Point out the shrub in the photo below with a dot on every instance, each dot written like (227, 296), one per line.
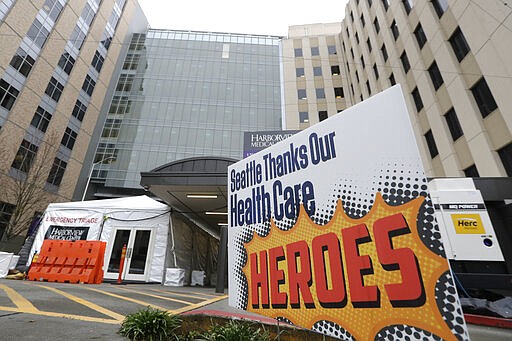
(150, 324)
(233, 331)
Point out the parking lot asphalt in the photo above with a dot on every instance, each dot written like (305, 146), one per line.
(54, 311)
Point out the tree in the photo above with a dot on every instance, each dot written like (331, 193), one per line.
(24, 183)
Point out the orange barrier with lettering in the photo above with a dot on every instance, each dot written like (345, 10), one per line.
(69, 262)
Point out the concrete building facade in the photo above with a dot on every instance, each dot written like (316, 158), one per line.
(56, 61)
(313, 74)
(452, 60)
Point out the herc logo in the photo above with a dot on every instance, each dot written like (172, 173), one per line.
(468, 224)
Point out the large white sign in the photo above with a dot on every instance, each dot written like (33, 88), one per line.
(333, 230)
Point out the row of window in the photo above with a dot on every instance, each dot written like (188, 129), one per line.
(320, 93)
(26, 156)
(304, 116)
(315, 51)
(317, 70)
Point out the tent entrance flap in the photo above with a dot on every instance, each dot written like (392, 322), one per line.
(139, 244)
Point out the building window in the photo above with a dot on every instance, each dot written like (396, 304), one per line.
(298, 52)
(111, 128)
(53, 8)
(440, 6)
(369, 44)
(317, 71)
(362, 20)
(125, 83)
(357, 38)
(394, 30)
(88, 85)
(69, 138)
(376, 25)
(105, 150)
(417, 99)
(315, 51)
(66, 62)
(385, 3)
(131, 61)
(331, 49)
(405, 62)
(375, 71)
(25, 156)
(299, 72)
(370, 3)
(303, 117)
(54, 89)
(57, 172)
(301, 93)
(362, 62)
(421, 38)
(106, 40)
(483, 97)
(431, 144)
(338, 92)
(357, 76)
(392, 80)
(459, 44)
(77, 38)
(120, 105)
(471, 172)
(505, 155)
(41, 119)
(22, 62)
(435, 75)
(384, 52)
(453, 124)
(8, 94)
(88, 14)
(320, 93)
(352, 53)
(368, 87)
(97, 61)
(352, 16)
(408, 6)
(6, 211)
(79, 110)
(113, 20)
(322, 115)
(335, 70)
(38, 33)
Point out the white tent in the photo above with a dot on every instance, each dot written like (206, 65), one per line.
(139, 222)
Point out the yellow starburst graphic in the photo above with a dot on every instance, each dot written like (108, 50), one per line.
(363, 274)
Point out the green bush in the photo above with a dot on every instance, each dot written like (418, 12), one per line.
(150, 324)
(231, 331)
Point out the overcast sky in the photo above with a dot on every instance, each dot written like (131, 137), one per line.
(270, 17)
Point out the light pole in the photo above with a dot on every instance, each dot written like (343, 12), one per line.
(90, 173)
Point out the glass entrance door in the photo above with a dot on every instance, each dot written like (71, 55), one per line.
(138, 243)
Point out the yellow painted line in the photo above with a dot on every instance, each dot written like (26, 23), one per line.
(190, 294)
(126, 298)
(157, 296)
(199, 305)
(69, 316)
(20, 301)
(86, 303)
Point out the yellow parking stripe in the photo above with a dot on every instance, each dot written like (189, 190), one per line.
(69, 316)
(199, 296)
(126, 298)
(21, 302)
(157, 296)
(199, 305)
(86, 303)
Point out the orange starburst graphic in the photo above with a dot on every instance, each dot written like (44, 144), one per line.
(362, 274)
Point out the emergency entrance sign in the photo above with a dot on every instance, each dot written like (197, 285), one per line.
(333, 230)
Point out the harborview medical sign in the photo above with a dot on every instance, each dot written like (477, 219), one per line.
(332, 229)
